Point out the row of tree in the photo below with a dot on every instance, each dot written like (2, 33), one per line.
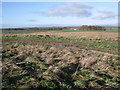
(85, 27)
(48, 28)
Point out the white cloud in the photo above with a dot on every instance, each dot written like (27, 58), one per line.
(104, 14)
(80, 14)
(32, 20)
(70, 9)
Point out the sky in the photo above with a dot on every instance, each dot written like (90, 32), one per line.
(35, 14)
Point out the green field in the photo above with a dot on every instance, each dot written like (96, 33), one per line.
(30, 66)
(49, 62)
(81, 43)
(25, 31)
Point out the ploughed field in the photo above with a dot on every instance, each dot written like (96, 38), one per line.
(61, 60)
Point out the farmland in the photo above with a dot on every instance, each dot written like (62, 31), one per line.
(61, 60)
(33, 31)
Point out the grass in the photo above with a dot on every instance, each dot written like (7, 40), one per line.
(101, 44)
(24, 69)
(20, 31)
(25, 31)
(115, 31)
(26, 65)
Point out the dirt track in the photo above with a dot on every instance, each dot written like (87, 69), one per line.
(71, 46)
(73, 35)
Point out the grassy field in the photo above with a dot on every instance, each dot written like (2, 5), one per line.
(101, 45)
(25, 31)
(60, 60)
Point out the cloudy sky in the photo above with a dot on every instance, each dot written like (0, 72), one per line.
(32, 14)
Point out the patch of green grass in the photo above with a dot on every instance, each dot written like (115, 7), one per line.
(20, 31)
(29, 31)
(4, 38)
(115, 31)
(47, 84)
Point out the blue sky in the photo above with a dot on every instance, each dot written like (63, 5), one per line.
(32, 14)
